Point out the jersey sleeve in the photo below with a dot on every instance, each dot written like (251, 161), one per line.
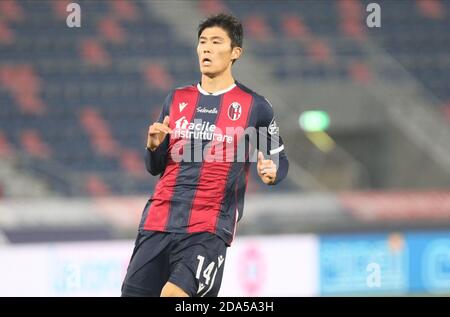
(156, 161)
(269, 139)
(165, 111)
(270, 142)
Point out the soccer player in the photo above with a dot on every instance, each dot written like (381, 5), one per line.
(190, 219)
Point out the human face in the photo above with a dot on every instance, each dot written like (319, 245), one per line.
(214, 51)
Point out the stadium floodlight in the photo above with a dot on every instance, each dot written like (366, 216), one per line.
(314, 121)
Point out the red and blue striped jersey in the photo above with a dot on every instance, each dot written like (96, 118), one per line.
(197, 193)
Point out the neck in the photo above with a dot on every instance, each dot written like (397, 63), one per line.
(220, 82)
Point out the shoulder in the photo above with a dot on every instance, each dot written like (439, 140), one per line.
(261, 103)
(185, 89)
(179, 90)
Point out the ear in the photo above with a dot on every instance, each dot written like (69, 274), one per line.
(236, 53)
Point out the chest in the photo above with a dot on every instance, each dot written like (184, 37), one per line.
(210, 114)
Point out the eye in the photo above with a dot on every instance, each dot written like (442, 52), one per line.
(216, 42)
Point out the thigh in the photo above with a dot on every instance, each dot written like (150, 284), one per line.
(148, 270)
(197, 262)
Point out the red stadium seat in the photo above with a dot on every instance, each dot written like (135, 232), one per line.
(257, 28)
(432, 9)
(446, 109)
(294, 27)
(93, 53)
(158, 77)
(360, 73)
(353, 29)
(131, 162)
(30, 104)
(111, 30)
(95, 186)
(124, 10)
(10, 10)
(59, 8)
(352, 22)
(209, 7)
(6, 34)
(24, 85)
(5, 147)
(34, 145)
(99, 132)
(319, 51)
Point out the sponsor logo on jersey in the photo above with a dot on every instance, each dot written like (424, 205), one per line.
(206, 110)
(199, 129)
(182, 105)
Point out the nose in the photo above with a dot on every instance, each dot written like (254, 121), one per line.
(206, 48)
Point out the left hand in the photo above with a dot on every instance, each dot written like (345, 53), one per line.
(267, 169)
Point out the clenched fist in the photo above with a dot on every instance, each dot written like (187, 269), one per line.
(157, 133)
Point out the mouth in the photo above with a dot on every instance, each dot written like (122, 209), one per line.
(206, 61)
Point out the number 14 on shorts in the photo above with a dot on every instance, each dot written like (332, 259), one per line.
(209, 273)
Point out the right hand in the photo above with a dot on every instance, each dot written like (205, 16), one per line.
(157, 132)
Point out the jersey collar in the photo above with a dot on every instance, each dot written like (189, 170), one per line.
(217, 93)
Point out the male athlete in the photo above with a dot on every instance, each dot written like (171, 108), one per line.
(190, 219)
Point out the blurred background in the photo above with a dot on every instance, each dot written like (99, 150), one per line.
(364, 113)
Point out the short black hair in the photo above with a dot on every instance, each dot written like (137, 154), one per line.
(229, 23)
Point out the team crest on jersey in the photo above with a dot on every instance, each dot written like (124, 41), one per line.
(234, 111)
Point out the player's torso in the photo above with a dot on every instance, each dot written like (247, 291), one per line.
(203, 148)
(203, 190)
